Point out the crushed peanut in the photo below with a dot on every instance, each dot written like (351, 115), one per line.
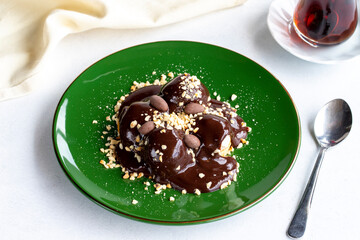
(133, 124)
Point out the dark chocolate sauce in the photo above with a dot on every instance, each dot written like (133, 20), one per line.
(204, 168)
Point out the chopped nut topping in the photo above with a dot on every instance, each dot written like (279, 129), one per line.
(171, 74)
(133, 124)
(224, 185)
(126, 176)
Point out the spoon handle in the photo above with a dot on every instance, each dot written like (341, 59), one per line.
(298, 223)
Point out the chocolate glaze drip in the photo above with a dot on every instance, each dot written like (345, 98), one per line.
(205, 169)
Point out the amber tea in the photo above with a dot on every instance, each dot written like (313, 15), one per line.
(325, 22)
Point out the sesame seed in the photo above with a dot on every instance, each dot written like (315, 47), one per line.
(171, 199)
(201, 175)
(94, 122)
(134, 202)
(163, 147)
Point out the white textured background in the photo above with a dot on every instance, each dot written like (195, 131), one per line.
(37, 201)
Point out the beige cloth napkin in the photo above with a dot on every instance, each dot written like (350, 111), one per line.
(30, 29)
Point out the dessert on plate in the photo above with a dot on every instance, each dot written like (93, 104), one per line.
(175, 134)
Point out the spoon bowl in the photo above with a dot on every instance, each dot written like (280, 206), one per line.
(332, 125)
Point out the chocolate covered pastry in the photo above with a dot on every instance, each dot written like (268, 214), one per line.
(178, 136)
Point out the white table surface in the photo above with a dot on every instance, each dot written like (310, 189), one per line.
(37, 201)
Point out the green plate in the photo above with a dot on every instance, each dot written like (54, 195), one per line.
(264, 104)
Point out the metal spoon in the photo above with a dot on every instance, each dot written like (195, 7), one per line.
(332, 125)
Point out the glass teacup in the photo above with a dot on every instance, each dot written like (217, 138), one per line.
(325, 22)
